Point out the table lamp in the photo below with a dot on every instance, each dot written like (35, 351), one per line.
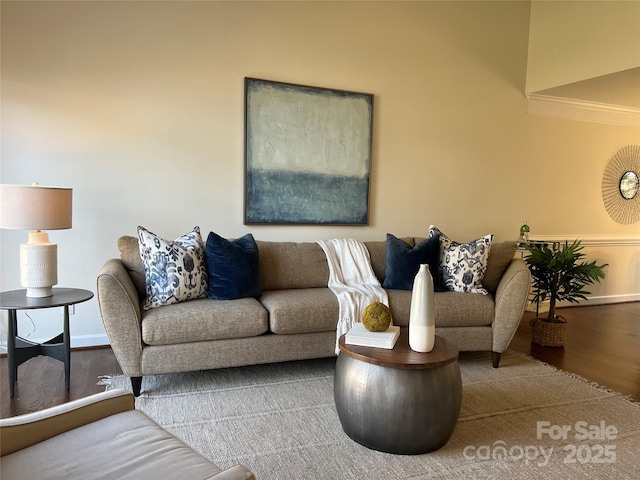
(36, 208)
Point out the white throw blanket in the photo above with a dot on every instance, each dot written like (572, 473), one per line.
(352, 280)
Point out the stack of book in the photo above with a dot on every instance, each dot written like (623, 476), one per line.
(359, 335)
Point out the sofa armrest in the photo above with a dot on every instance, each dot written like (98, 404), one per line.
(237, 472)
(25, 430)
(120, 309)
(511, 299)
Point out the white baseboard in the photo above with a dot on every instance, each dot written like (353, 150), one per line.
(77, 341)
(80, 341)
(605, 299)
(593, 300)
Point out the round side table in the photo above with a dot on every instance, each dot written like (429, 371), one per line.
(19, 350)
(398, 401)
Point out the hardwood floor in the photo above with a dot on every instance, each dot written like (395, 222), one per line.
(41, 380)
(603, 345)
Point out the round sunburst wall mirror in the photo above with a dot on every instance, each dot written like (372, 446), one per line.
(621, 185)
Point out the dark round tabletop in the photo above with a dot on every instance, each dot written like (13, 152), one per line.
(18, 300)
(401, 356)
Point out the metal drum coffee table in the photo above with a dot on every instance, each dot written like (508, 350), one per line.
(398, 401)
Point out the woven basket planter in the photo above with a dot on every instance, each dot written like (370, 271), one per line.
(549, 334)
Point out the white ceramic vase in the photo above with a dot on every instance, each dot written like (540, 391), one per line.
(422, 318)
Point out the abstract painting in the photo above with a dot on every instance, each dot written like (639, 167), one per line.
(307, 154)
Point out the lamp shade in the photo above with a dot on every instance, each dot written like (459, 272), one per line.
(35, 207)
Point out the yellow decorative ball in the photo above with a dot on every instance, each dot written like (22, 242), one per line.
(376, 317)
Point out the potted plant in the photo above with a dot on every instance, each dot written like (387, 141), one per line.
(558, 274)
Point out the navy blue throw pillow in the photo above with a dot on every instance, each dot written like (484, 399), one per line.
(403, 262)
(234, 267)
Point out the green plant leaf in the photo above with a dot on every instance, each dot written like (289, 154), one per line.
(560, 274)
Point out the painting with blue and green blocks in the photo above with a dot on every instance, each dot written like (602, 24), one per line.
(308, 154)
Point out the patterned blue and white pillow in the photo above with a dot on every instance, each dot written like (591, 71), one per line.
(174, 271)
(463, 265)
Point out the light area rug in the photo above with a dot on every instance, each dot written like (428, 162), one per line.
(522, 420)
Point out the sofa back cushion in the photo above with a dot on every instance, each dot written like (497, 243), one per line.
(285, 265)
(378, 254)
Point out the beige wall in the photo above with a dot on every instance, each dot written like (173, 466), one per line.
(571, 41)
(139, 108)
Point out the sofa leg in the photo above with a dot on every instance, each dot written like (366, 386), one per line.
(495, 359)
(136, 384)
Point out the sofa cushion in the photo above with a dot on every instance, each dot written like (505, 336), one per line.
(301, 310)
(127, 445)
(403, 262)
(378, 255)
(500, 257)
(202, 320)
(130, 256)
(174, 271)
(453, 309)
(234, 267)
(463, 265)
(286, 265)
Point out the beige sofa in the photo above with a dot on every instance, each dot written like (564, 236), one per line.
(100, 437)
(295, 317)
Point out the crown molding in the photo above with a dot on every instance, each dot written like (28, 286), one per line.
(582, 110)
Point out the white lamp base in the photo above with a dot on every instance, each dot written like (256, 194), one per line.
(38, 265)
(39, 292)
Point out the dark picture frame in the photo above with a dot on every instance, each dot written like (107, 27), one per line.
(307, 154)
